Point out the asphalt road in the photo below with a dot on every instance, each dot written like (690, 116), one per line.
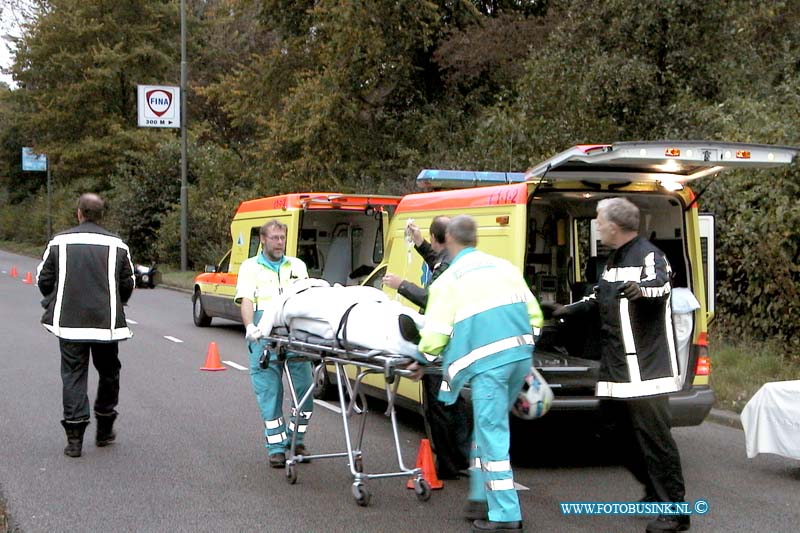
(190, 454)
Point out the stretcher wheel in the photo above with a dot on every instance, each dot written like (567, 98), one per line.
(423, 490)
(361, 494)
(291, 475)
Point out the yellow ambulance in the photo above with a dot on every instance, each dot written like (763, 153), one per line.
(543, 221)
(340, 237)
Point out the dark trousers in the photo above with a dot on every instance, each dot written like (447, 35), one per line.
(75, 374)
(639, 431)
(450, 426)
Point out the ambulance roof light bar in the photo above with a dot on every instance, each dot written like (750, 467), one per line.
(431, 179)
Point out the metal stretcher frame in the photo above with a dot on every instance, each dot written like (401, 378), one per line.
(367, 362)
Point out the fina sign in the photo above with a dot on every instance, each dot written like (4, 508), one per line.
(159, 106)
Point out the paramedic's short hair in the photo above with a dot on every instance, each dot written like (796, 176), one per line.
(439, 228)
(463, 230)
(91, 206)
(621, 212)
(273, 224)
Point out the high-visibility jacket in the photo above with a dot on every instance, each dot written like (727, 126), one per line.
(260, 283)
(637, 343)
(86, 276)
(480, 315)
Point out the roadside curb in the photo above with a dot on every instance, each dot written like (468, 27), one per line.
(725, 418)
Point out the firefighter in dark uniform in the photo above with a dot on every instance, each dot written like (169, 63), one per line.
(639, 364)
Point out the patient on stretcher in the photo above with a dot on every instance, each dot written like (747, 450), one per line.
(354, 317)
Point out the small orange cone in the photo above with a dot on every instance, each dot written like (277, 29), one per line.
(212, 359)
(28, 279)
(14, 272)
(425, 462)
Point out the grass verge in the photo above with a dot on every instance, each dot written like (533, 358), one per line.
(739, 369)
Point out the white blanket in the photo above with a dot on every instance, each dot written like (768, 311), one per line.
(771, 420)
(314, 307)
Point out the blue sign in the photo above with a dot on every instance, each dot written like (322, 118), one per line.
(32, 161)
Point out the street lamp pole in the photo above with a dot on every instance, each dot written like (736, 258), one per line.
(184, 181)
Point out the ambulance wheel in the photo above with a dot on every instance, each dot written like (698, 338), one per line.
(201, 319)
(361, 494)
(291, 475)
(423, 490)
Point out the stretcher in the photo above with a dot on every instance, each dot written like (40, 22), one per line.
(322, 353)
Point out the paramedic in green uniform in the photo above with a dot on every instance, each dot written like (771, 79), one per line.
(262, 278)
(481, 318)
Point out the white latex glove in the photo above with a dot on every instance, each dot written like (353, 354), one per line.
(253, 333)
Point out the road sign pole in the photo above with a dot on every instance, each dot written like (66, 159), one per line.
(184, 181)
(49, 210)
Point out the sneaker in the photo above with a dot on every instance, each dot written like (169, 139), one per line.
(501, 527)
(277, 460)
(666, 522)
(476, 510)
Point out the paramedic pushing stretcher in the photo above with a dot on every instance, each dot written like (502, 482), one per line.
(451, 425)
(262, 278)
(481, 317)
(638, 365)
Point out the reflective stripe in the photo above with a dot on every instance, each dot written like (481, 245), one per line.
(301, 428)
(273, 424)
(430, 358)
(497, 466)
(276, 439)
(625, 326)
(476, 463)
(474, 309)
(500, 484)
(642, 388)
(485, 351)
(633, 368)
(670, 333)
(650, 267)
(613, 275)
(306, 415)
(537, 331)
(445, 386)
(111, 269)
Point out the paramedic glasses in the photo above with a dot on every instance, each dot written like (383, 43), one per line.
(276, 238)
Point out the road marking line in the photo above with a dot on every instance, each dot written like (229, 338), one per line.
(173, 339)
(237, 366)
(130, 321)
(327, 405)
(519, 486)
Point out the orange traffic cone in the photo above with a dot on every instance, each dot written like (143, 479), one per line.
(212, 358)
(28, 279)
(425, 462)
(14, 272)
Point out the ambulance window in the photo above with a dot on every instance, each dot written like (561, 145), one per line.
(376, 279)
(225, 264)
(255, 241)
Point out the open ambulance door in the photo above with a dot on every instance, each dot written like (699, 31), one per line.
(707, 248)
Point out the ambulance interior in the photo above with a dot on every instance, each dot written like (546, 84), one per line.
(565, 258)
(341, 246)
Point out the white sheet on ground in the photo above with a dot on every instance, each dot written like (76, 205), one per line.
(771, 420)
(314, 307)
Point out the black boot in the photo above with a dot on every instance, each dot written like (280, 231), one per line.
(105, 428)
(74, 430)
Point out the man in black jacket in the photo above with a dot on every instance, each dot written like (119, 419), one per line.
(86, 276)
(639, 364)
(450, 425)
